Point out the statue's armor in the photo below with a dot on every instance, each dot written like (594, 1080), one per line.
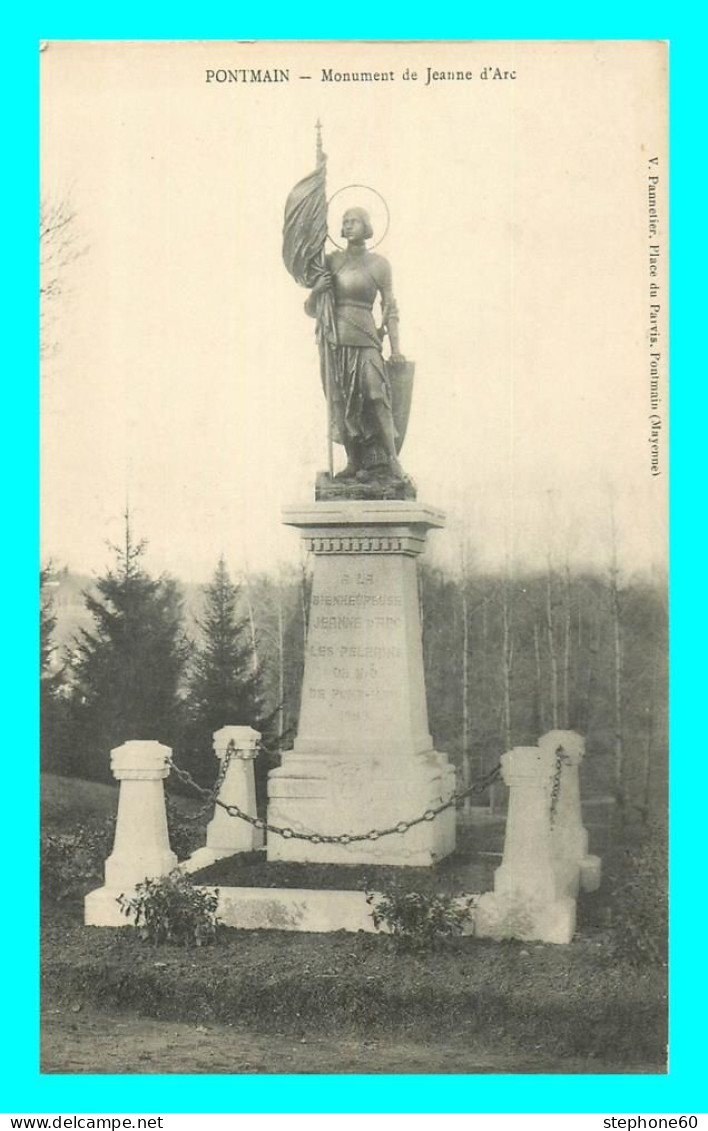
(355, 291)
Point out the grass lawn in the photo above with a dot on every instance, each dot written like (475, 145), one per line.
(118, 1042)
(64, 800)
(511, 1005)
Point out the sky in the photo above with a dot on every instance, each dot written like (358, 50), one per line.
(183, 375)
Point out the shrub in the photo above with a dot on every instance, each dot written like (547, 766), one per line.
(172, 909)
(186, 835)
(420, 919)
(71, 862)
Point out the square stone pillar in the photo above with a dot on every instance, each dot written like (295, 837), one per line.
(526, 902)
(227, 835)
(363, 758)
(141, 848)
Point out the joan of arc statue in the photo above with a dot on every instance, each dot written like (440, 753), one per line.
(368, 397)
(361, 398)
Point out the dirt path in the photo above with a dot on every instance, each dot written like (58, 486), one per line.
(119, 1043)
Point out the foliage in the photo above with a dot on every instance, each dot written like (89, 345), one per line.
(640, 898)
(171, 909)
(126, 672)
(71, 861)
(223, 685)
(420, 919)
(51, 712)
(186, 836)
(47, 621)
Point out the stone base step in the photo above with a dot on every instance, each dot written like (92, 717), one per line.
(266, 909)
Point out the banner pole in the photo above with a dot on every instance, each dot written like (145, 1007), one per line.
(328, 397)
(324, 322)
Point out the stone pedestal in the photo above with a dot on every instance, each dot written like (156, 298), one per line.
(227, 835)
(141, 848)
(363, 758)
(526, 902)
(569, 839)
(142, 845)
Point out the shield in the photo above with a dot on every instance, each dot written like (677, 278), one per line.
(400, 375)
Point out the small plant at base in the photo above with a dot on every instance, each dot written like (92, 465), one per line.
(172, 909)
(420, 919)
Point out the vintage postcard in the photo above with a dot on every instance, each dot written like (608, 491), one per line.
(354, 396)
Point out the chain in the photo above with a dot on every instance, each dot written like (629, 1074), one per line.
(343, 838)
(555, 787)
(210, 794)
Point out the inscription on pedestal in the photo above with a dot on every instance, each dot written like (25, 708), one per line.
(353, 682)
(357, 661)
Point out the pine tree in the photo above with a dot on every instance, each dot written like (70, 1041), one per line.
(47, 624)
(128, 669)
(50, 681)
(224, 685)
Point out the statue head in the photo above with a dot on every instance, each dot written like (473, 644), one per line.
(354, 214)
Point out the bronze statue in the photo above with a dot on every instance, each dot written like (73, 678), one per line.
(361, 398)
(368, 397)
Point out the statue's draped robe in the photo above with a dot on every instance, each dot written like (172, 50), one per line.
(361, 377)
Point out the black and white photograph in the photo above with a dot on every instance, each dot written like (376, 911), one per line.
(354, 565)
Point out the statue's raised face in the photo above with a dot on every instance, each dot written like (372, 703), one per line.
(356, 225)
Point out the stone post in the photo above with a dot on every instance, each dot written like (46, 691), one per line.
(569, 838)
(228, 835)
(525, 903)
(141, 848)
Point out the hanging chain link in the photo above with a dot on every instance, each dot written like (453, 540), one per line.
(289, 833)
(210, 794)
(561, 759)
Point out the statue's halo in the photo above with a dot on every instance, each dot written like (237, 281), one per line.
(361, 196)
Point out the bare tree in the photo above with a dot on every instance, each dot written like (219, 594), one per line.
(507, 612)
(247, 592)
(58, 247)
(591, 664)
(616, 613)
(645, 803)
(304, 588)
(567, 643)
(540, 716)
(466, 769)
(552, 653)
(281, 664)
